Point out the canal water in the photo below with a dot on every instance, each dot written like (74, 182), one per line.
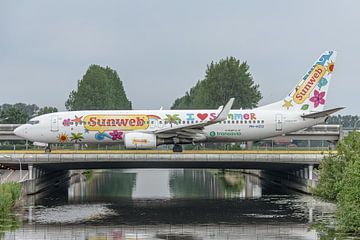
(174, 204)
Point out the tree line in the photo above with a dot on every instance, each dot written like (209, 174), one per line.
(347, 121)
(20, 113)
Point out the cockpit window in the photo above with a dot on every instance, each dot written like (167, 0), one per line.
(33, 122)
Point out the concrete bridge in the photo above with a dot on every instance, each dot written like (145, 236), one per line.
(67, 160)
(292, 168)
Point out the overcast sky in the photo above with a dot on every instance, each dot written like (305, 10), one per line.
(160, 49)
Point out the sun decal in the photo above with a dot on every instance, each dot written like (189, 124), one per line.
(62, 137)
(330, 67)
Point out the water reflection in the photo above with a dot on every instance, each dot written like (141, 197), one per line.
(8, 222)
(214, 184)
(172, 204)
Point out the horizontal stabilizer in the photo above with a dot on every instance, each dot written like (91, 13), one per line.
(322, 113)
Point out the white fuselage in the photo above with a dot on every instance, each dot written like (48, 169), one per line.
(112, 126)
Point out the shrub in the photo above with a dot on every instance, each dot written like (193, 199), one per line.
(9, 193)
(348, 206)
(331, 174)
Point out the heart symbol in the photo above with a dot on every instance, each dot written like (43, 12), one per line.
(202, 116)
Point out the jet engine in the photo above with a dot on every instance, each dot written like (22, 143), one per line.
(137, 140)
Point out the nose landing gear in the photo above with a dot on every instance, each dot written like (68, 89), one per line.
(48, 149)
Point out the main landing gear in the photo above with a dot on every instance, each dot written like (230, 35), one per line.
(177, 148)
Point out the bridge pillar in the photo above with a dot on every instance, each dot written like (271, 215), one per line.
(311, 168)
(306, 173)
(301, 174)
(30, 170)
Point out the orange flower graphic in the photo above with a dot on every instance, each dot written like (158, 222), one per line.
(62, 137)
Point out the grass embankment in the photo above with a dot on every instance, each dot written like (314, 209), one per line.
(340, 182)
(9, 193)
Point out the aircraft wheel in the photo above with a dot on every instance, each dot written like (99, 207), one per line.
(48, 149)
(177, 148)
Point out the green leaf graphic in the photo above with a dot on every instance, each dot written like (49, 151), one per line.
(305, 107)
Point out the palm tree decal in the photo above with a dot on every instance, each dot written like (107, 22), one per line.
(76, 137)
(172, 119)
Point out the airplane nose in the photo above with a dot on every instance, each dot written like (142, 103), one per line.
(20, 131)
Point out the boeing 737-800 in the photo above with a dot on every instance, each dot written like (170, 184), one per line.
(147, 129)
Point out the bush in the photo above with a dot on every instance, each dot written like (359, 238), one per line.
(331, 174)
(9, 193)
(340, 180)
(348, 206)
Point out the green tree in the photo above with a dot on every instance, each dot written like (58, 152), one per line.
(225, 79)
(13, 115)
(100, 88)
(340, 180)
(348, 206)
(331, 174)
(348, 121)
(45, 110)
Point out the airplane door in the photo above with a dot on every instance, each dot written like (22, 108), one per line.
(278, 122)
(54, 124)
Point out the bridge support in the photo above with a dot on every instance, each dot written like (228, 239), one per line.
(30, 170)
(311, 168)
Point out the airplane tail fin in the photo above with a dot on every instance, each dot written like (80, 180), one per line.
(309, 95)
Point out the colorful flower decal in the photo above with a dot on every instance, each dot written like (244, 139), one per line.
(63, 137)
(318, 98)
(330, 67)
(287, 104)
(116, 135)
(323, 82)
(66, 122)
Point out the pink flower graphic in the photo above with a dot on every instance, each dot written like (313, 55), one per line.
(318, 98)
(116, 135)
(66, 122)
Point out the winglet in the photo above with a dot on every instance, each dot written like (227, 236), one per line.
(225, 111)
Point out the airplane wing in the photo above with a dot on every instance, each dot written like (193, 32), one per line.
(191, 130)
(322, 113)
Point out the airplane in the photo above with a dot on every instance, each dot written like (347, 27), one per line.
(147, 129)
